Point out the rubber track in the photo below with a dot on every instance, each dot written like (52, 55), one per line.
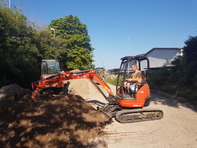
(138, 115)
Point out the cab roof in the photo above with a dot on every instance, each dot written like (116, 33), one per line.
(139, 57)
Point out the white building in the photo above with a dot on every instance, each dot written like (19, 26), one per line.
(159, 57)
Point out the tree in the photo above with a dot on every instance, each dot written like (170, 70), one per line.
(22, 46)
(2, 3)
(190, 55)
(49, 47)
(19, 57)
(78, 50)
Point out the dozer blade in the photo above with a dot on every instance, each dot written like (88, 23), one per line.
(109, 110)
(138, 115)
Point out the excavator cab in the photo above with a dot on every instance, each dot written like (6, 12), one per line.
(49, 67)
(129, 108)
(139, 95)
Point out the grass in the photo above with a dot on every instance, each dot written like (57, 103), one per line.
(111, 81)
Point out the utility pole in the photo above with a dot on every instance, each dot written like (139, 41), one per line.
(129, 39)
(9, 4)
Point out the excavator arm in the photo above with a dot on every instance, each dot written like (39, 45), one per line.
(57, 81)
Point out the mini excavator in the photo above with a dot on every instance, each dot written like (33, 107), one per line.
(124, 107)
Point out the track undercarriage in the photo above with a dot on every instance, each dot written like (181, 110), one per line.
(131, 115)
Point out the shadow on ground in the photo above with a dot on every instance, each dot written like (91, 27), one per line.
(169, 100)
(63, 121)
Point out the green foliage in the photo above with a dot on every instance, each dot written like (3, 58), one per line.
(190, 54)
(16, 50)
(159, 77)
(22, 46)
(3, 3)
(112, 81)
(78, 50)
(49, 47)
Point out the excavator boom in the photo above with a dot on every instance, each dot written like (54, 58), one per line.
(57, 81)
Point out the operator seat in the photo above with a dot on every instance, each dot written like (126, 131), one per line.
(134, 88)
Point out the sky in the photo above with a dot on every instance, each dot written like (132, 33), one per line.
(119, 28)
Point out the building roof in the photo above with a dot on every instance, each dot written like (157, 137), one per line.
(154, 49)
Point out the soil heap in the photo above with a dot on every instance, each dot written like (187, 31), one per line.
(61, 121)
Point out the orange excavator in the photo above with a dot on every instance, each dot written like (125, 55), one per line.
(125, 108)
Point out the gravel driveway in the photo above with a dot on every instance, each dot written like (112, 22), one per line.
(177, 129)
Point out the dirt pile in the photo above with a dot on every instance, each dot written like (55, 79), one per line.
(87, 91)
(13, 91)
(81, 87)
(61, 121)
